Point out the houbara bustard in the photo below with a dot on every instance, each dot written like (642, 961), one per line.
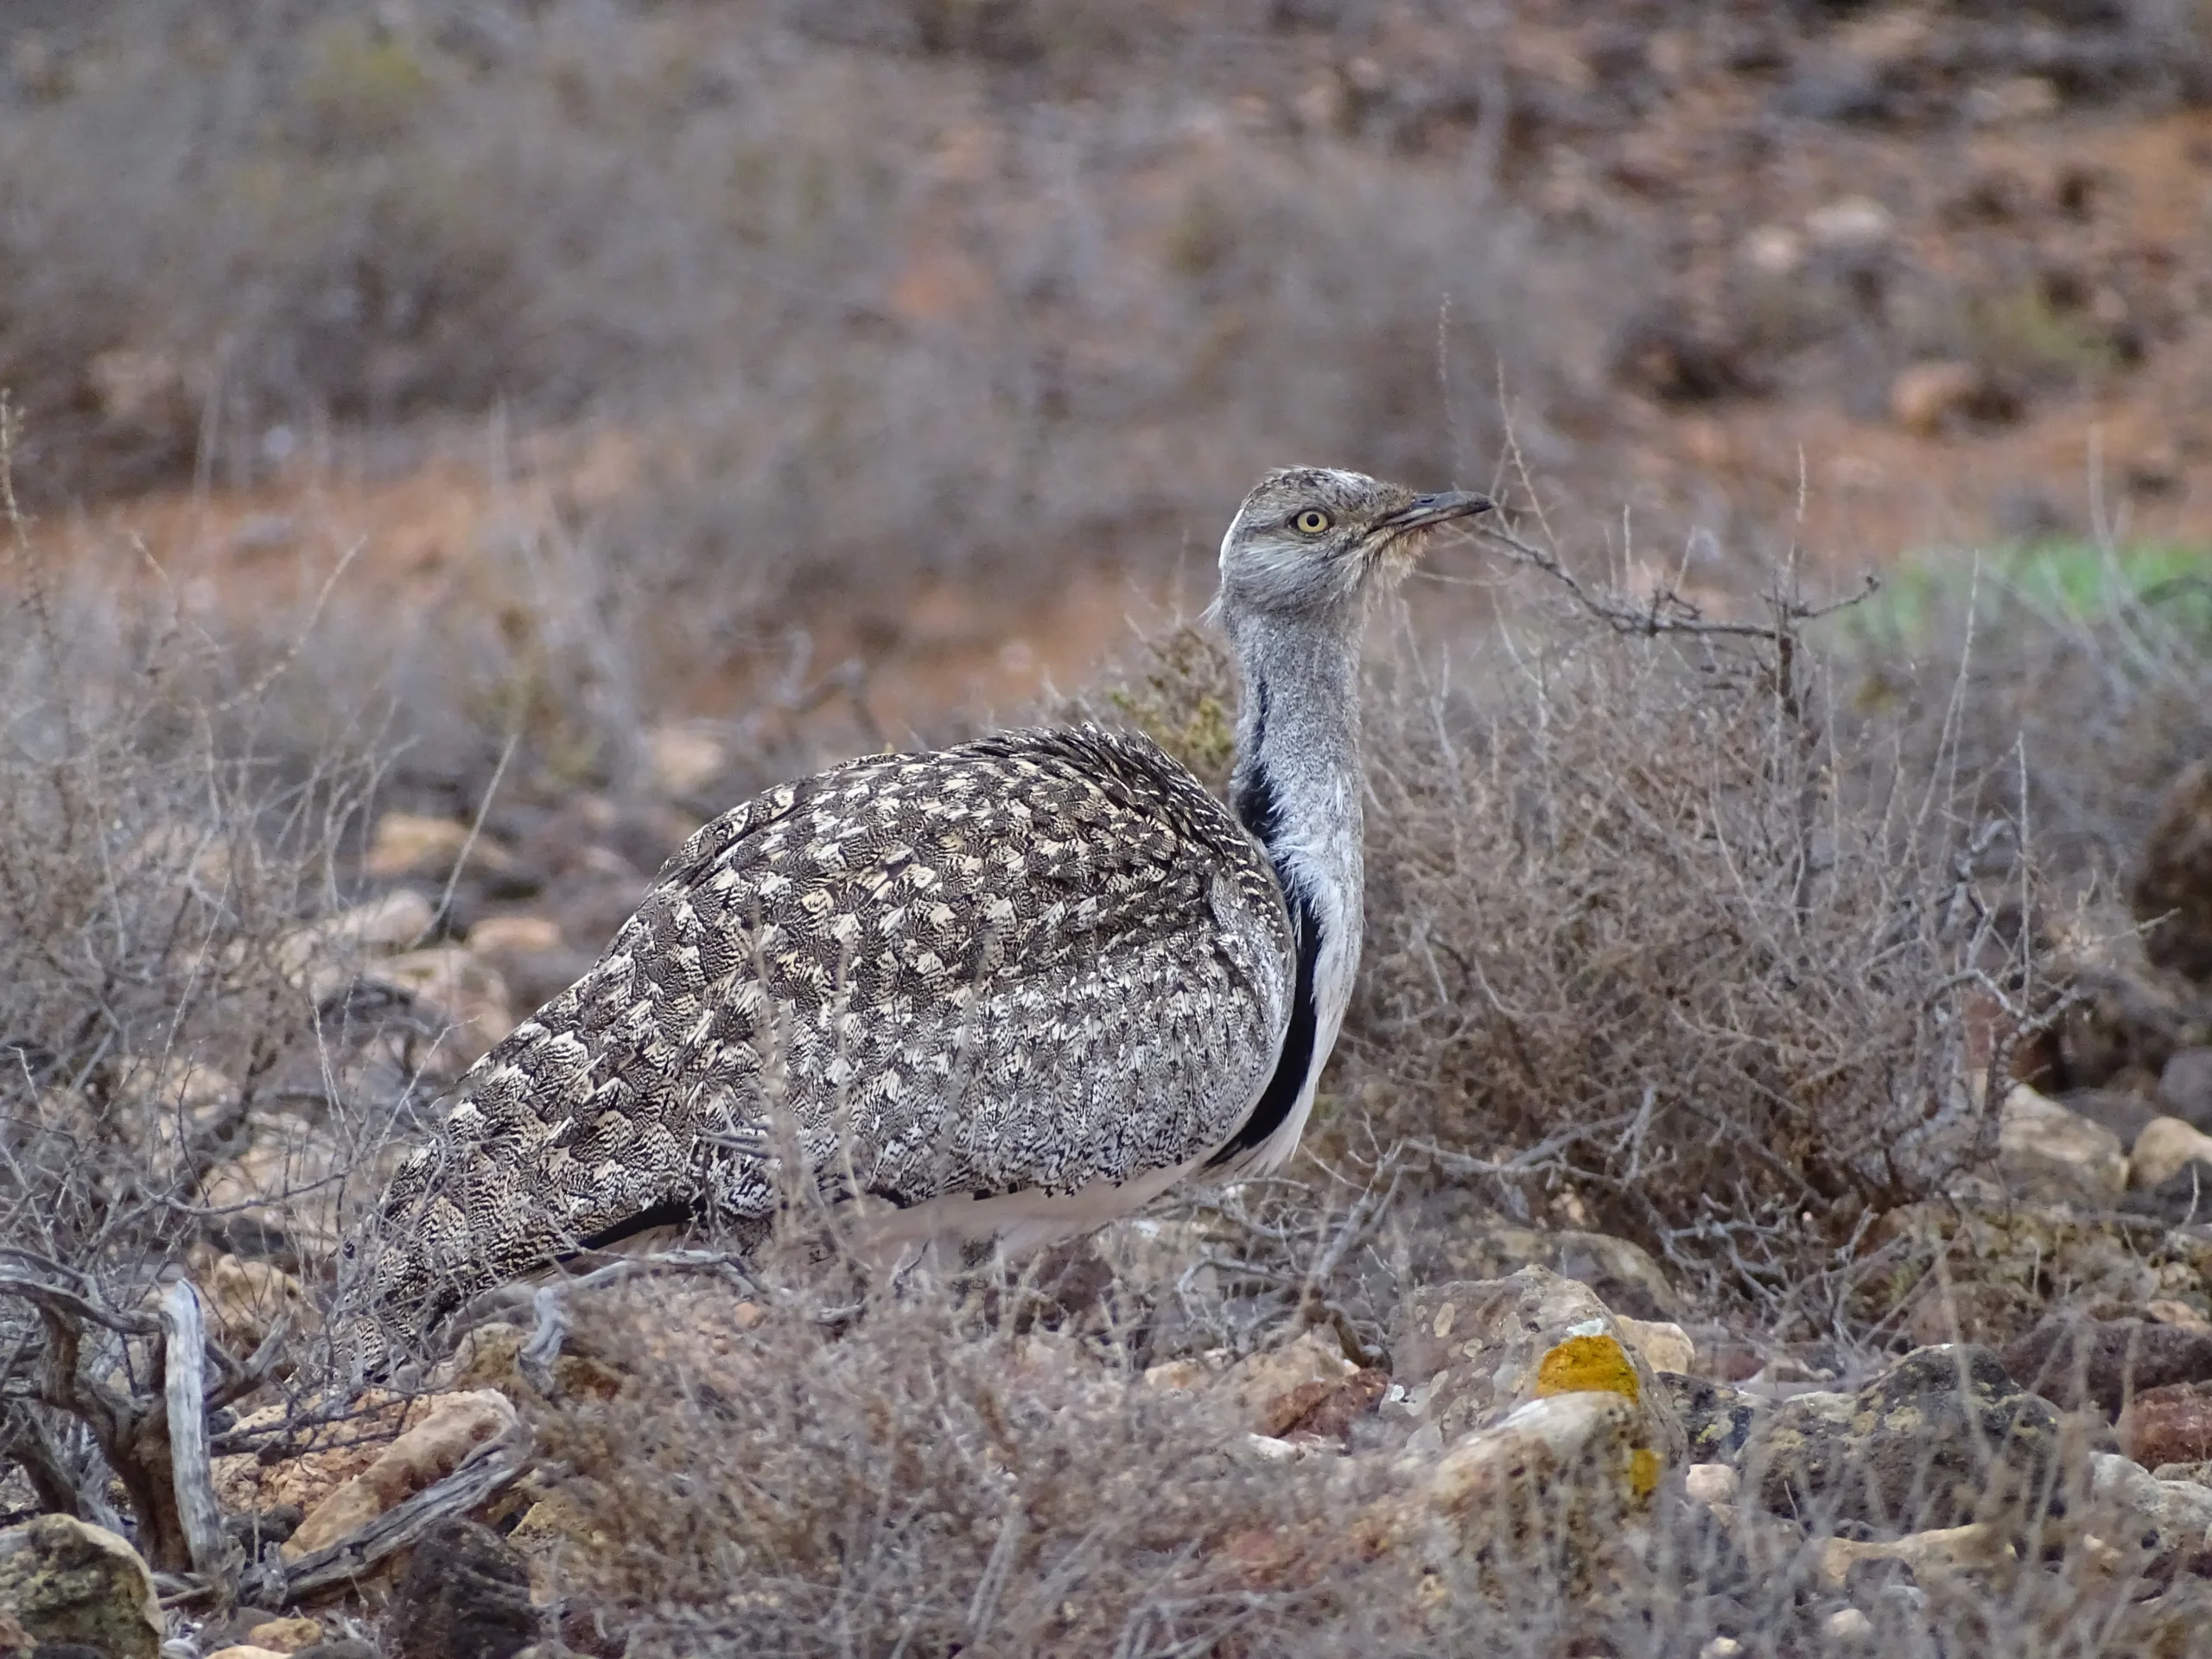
(1013, 989)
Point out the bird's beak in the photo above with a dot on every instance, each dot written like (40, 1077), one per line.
(1440, 508)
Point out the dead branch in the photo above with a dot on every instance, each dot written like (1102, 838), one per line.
(191, 1474)
(484, 1472)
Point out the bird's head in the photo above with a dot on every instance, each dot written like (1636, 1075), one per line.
(1313, 539)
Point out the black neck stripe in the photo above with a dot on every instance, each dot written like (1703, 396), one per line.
(1262, 814)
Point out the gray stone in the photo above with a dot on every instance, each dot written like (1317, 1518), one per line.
(1452, 1234)
(2186, 1086)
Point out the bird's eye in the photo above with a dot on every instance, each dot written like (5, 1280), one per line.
(1311, 522)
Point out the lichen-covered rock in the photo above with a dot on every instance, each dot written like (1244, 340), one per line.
(1542, 1493)
(2155, 1521)
(1465, 1354)
(2046, 1152)
(65, 1581)
(1716, 1419)
(2009, 1262)
(1943, 1438)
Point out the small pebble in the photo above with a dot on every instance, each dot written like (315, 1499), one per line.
(1847, 1624)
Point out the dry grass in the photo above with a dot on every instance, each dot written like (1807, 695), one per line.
(922, 1482)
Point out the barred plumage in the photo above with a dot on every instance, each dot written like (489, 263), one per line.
(1010, 988)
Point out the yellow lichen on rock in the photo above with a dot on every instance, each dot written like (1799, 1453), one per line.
(1588, 1365)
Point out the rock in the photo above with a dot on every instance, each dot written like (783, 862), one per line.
(2172, 890)
(1927, 397)
(67, 1581)
(432, 1449)
(1942, 1437)
(2169, 1424)
(2166, 1146)
(1855, 223)
(2183, 1198)
(1927, 1556)
(465, 1595)
(1716, 1419)
(2121, 1110)
(2073, 1358)
(1452, 1234)
(1468, 1353)
(2185, 1086)
(1550, 1485)
(1664, 1345)
(246, 1300)
(2044, 1150)
(1847, 1627)
(683, 759)
(1711, 1482)
(248, 1650)
(285, 1635)
(2157, 1520)
(1336, 1414)
(305, 1468)
(14, 1641)
(1270, 1390)
(393, 922)
(467, 990)
(516, 936)
(342, 1648)
(409, 844)
(2170, 1626)
(2129, 1018)
(2201, 1474)
(2165, 1311)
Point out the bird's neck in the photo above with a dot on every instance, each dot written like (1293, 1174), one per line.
(1297, 783)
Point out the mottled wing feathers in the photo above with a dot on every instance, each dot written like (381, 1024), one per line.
(1036, 962)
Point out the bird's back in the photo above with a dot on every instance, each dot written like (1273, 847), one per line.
(1043, 963)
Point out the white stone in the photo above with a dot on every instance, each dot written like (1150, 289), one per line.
(1712, 1483)
(2045, 1151)
(1664, 1345)
(2164, 1147)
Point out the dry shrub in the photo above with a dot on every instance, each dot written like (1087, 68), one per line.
(920, 1483)
(1653, 947)
(166, 1074)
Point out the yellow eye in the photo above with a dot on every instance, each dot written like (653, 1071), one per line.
(1311, 522)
